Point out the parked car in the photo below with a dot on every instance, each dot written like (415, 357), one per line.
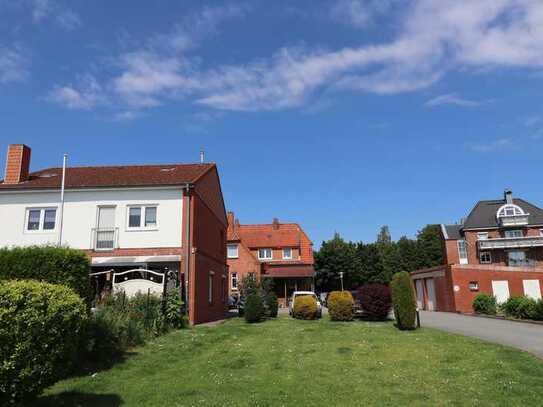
(297, 294)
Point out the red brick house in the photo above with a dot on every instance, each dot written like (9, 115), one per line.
(156, 217)
(497, 249)
(279, 251)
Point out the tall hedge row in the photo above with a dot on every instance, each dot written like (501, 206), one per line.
(403, 300)
(40, 335)
(56, 265)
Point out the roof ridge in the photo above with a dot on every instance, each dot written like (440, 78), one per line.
(125, 165)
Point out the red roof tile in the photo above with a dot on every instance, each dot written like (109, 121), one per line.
(115, 176)
(292, 271)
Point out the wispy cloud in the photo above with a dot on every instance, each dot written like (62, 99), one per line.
(66, 18)
(85, 95)
(359, 13)
(499, 144)
(12, 65)
(453, 99)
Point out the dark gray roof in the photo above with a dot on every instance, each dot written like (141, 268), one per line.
(451, 232)
(483, 215)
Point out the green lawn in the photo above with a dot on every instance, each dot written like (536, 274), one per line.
(287, 362)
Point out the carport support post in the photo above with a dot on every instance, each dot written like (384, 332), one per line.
(286, 299)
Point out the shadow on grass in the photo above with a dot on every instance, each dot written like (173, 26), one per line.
(74, 398)
(89, 366)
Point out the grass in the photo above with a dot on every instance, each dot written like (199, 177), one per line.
(287, 362)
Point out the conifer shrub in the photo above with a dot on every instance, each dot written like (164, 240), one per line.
(305, 307)
(254, 308)
(375, 301)
(403, 300)
(340, 306)
(271, 304)
(520, 306)
(485, 304)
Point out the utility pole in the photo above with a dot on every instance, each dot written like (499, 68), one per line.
(62, 187)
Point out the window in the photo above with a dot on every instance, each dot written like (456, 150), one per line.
(232, 251)
(474, 286)
(540, 232)
(43, 219)
(265, 254)
(517, 258)
(514, 233)
(210, 287)
(462, 252)
(482, 236)
(234, 281)
(287, 253)
(142, 217)
(485, 258)
(509, 210)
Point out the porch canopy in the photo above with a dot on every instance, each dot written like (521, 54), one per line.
(289, 271)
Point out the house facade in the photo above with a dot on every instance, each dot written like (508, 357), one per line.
(497, 249)
(278, 251)
(157, 217)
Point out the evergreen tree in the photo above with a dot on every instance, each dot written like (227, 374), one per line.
(430, 249)
(409, 253)
(335, 256)
(384, 235)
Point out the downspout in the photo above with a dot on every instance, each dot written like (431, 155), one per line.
(62, 187)
(188, 244)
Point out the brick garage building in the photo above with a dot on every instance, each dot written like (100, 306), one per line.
(498, 250)
(279, 251)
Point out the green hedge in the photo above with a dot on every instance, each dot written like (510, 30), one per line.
(340, 306)
(271, 304)
(403, 300)
(55, 265)
(485, 304)
(521, 307)
(40, 336)
(305, 307)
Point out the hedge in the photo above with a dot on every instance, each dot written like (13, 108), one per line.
(271, 304)
(521, 307)
(375, 301)
(340, 306)
(41, 329)
(56, 265)
(305, 307)
(484, 304)
(403, 300)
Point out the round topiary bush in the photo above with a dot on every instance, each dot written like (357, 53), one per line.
(340, 306)
(41, 328)
(403, 300)
(254, 308)
(305, 307)
(272, 306)
(484, 304)
(375, 301)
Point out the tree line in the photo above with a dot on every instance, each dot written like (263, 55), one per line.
(376, 262)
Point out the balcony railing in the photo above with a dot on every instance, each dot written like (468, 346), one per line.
(105, 239)
(514, 220)
(510, 242)
(522, 263)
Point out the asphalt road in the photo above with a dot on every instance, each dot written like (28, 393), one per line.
(524, 336)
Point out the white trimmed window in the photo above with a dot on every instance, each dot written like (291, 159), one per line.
(462, 252)
(485, 258)
(234, 281)
(265, 254)
(210, 287)
(482, 236)
(514, 233)
(232, 251)
(41, 219)
(287, 253)
(510, 210)
(142, 217)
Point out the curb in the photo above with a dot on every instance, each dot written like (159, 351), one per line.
(524, 321)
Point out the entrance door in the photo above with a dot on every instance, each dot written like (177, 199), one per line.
(532, 289)
(431, 294)
(420, 294)
(500, 290)
(105, 230)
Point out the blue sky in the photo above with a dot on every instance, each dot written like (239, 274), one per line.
(342, 116)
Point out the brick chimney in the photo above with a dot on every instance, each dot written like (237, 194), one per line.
(508, 196)
(275, 224)
(230, 217)
(17, 164)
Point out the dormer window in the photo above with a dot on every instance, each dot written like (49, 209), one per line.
(510, 210)
(511, 215)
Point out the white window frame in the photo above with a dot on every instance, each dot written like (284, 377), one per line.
(463, 260)
(265, 258)
(141, 227)
(287, 257)
(228, 247)
(234, 277)
(482, 235)
(502, 211)
(511, 231)
(40, 229)
(489, 257)
(210, 287)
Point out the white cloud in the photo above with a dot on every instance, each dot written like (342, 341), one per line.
(492, 146)
(87, 94)
(452, 99)
(359, 13)
(51, 10)
(12, 65)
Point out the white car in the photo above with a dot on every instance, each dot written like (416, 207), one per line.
(297, 294)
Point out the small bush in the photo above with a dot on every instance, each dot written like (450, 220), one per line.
(403, 300)
(520, 306)
(173, 310)
(55, 265)
(41, 329)
(485, 304)
(271, 304)
(538, 311)
(305, 307)
(254, 308)
(375, 301)
(340, 306)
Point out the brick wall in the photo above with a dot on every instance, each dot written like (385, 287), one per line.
(17, 164)
(243, 265)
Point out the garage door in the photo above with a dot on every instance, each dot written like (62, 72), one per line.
(431, 294)
(532, 289)
(500, 290)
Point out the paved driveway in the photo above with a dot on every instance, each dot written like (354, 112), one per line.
(528, 337)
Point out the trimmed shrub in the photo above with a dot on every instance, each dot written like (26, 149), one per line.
(271, 304)
(520, 306)
(305, 307)
(538, 311)
(375, 301)
(485, 304)
(55, 265)
(340, 306)
(254, 308)
(403, 300)
(41, 329)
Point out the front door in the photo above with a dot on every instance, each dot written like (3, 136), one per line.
(431, 294)
(501, 291)
(420, 294)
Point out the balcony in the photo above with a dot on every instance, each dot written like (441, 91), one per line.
(521, 263)
(105, 239)
(510, 242)
(513, 220)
